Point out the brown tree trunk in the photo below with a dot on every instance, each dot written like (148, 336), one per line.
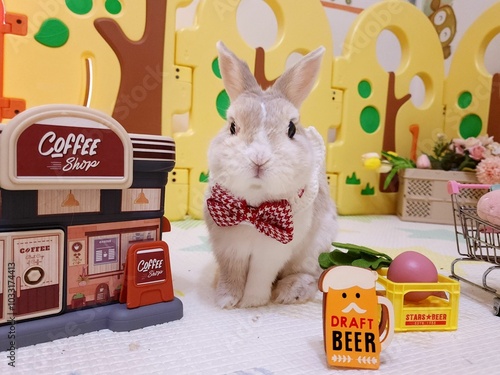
(392, 109)
(138, 106)
(389, 141)
(494, 113)
(260, 69)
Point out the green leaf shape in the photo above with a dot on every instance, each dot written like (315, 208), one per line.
(368, 190)
(203, 177)
(360, 249)
(373, 264)
(79, 6)
(324, 260)
(53, 33)
(353, 179)
(113, 6)
(359, 256)
(335, 258)
(222, 103)
(398, 163)
(216, 68)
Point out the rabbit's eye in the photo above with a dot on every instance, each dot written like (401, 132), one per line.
(232, 128)
(291, 129)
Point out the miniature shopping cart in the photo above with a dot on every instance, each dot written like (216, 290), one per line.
(477, 239)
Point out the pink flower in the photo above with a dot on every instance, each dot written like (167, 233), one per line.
(485, 140)
(423, 162)
(471, 142)
(488, 171)
(457, 146)
(477, 152)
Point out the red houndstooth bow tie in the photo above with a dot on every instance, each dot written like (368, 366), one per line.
(274, 219)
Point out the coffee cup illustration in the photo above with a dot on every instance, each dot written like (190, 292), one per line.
(358, 323)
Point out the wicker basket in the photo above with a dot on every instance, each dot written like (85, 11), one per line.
(423, 195)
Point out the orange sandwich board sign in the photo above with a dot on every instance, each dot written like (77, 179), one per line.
(354, 330)
(148, 278)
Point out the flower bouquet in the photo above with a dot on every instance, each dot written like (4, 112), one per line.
(480, 154)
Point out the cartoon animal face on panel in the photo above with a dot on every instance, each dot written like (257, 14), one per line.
(354, 292)
(445, 22)
(355, 301)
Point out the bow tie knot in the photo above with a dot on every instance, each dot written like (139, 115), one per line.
(274, 219)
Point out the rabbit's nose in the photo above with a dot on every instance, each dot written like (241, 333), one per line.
(260, 156)
(260, 160)
(259, 163)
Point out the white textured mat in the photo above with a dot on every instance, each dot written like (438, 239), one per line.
(274, 339)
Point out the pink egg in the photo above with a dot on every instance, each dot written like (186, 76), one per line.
(413, 267)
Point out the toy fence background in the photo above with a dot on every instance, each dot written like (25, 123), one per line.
(402, 74)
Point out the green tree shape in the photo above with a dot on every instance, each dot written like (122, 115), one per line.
(471, 124)
(369, 118)
(368, 190)
(353, 179)
(370, 122)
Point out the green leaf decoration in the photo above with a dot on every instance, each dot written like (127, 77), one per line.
(335, 258)
(368, 190)
(360, 249)
(216, 68)
(203, 177)
(352, 180)
(113, 6)
(222, 103)
(355, 255)
(53, 33)
(79, 6)
(324, 260)
(398, 163)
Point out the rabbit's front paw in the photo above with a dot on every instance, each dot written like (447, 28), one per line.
(227, 297)
(254, 300)
(295, 288)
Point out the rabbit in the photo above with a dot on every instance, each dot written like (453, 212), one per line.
(261, 157)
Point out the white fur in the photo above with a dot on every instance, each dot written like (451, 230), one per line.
(264, 110)
(261, 163)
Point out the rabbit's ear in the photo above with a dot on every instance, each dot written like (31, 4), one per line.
(236, 75)
(297, 82)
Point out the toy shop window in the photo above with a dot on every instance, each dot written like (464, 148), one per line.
(68, 201)
(134, 236)
(104, 253)
(108, 249)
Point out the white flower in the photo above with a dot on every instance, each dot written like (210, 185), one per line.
(369, 155)
(441, 137)
(485, 140)
(373, 161)
(385, 167)
(493, 148)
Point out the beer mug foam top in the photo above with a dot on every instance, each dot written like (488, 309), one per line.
(358, 323)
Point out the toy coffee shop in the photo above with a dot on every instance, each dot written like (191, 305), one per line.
(77, 193)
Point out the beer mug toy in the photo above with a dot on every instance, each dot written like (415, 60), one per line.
(357, 322)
